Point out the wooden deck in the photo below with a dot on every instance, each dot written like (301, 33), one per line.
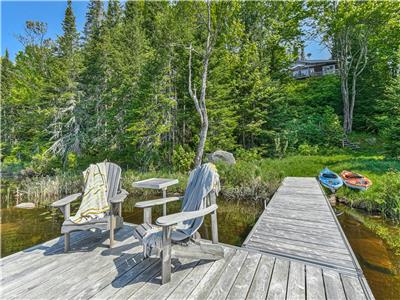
(91, 270)
(299, 224)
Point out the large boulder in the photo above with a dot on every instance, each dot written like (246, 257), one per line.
(223, 156)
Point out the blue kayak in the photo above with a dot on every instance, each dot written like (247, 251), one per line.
(330, 179)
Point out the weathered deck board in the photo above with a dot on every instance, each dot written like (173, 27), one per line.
(299, 224)
(122, 273)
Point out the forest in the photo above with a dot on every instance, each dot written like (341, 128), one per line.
(147, 83)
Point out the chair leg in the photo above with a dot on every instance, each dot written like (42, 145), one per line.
(166, 255)
(66, 242)
(112, 223)
(214, 227)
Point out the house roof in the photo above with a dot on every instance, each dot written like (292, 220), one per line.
(311, 63)
(315, 61)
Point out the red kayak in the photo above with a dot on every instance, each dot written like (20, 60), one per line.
(355, 180)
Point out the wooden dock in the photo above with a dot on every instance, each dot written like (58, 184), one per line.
(299, 224)
(91, 270)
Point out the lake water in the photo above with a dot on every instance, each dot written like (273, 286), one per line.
(22, 228)
(380, 265)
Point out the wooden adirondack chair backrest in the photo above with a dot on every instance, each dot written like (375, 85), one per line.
(113, 179)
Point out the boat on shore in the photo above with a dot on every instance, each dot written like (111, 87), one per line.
(330, 180)
(355, 181)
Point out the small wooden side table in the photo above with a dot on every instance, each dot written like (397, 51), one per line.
(157, 184)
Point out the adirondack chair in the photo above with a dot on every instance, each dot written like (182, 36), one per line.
(172, 245)
(113, 218)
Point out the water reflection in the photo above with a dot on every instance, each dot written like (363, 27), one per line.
(23, 228)
(379, 264)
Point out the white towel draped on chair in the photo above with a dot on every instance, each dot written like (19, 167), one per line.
(94, 200)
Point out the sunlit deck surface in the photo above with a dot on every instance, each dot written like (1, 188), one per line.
(92, 270)
(299, 224)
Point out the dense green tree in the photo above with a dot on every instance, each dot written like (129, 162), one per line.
(7, 132)
(355, 31)
(93, 80)
(390, 122)
(30, 99)
(66, 127)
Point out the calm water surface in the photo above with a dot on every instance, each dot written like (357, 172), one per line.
(380, 265)
(23, 228)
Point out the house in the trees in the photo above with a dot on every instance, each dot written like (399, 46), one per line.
(311, 68)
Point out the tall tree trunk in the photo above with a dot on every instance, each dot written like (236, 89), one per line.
(345, 98)
(352, 59)
(200, 103)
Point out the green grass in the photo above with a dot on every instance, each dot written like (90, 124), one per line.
(383, 196)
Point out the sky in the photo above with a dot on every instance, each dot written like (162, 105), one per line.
(15, 13)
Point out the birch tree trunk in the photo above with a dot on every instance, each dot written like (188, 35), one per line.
(351, 64)
(200, 103)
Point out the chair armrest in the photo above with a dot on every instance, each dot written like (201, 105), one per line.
(66, 200)
(184, 216)
(119, 197)
(150, 203)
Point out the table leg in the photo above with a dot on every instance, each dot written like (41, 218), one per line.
(164, 190)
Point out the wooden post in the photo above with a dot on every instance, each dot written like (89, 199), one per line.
(165, 204)
(66, 211)
(214, 223)
(120, 209)
(147, 215)
(166, 255)
(112, 226)
(66, 242)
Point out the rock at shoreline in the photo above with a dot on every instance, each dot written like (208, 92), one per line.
(26, 205)
(223, 156)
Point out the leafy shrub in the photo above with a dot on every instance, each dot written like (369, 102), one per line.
(72, 160)
(44, 164)
(392, 136)
(306, 149)
(389, 120)
(389, 195)
(249, 154)
(316, 128)
(182, 160)
(281, 142)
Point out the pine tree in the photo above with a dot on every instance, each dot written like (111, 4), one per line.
(66, 127)
(92, 78)
(113, 15)
(94, 19)
(7, 112)
(69, 41)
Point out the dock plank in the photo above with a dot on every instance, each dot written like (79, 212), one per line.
(262, 278)
(296, 285)
(190, 282)
(314, 283)
(278, 285)
(352, 288)
(333, 286)
(245, 277)
(227, 278)
(204, 287)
